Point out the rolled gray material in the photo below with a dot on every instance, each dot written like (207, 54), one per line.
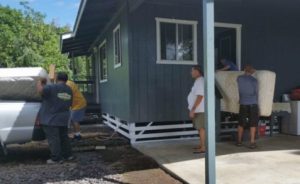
(20, 83)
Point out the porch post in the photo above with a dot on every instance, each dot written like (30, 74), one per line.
(73, 65)
(209, 70)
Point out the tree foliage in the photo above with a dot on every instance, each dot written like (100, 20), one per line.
(27, 41)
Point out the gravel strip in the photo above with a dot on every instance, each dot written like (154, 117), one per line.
(118, 163)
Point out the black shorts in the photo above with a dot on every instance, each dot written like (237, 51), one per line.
(248, 116)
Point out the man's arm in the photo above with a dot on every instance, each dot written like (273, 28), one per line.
(42, 88)
(225, 68)
(256, 88)
(199, 93)
(196, 104)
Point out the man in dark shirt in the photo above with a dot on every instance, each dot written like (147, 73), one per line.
(249, 112)
(54, 117)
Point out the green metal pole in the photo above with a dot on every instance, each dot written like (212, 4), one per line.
(209, 69)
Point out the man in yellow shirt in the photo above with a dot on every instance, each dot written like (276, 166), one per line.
(77, 109)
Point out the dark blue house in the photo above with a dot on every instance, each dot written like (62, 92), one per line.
(142, 52)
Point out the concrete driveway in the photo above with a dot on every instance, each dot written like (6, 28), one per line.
(276, 161)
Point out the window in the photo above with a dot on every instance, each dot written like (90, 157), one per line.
(117, 47)
(103, 62)
(176, 41)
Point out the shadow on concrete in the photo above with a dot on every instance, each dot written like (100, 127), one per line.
(296, 152)
(276, 143)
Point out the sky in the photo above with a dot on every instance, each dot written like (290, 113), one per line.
(63, 12)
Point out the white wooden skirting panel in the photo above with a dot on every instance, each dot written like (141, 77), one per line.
(115, 124)
(139, 133)
(167, 134)
(164, 127)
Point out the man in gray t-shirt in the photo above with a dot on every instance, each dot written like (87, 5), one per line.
(57, 99)
(249, 113)
(54, 117)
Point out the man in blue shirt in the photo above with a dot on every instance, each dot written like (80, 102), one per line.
(54, 116)
(228, 65)
(249, 112)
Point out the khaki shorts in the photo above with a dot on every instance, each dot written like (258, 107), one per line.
(199, 121)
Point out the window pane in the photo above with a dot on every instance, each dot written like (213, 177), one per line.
(185, 42)
(103, 63)
(168, 41)
(105, 69)
(117, 47)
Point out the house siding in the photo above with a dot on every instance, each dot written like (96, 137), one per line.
(270, 36)
(270, 41)
(114, 94)
(142, 90)
(274, 42)
(158, 91)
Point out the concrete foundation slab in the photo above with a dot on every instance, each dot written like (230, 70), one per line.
(275, 161)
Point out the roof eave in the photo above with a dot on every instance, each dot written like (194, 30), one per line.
(79, 15)
(63, 37)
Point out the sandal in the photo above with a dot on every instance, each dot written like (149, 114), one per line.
(253, 146)
(239, 144)
(199, 151)
(197, 148)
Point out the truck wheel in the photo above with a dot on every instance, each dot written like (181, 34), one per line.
(2, 150)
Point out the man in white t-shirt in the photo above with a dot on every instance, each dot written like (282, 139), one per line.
(196, 106)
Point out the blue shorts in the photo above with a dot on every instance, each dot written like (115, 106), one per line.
(77, 115)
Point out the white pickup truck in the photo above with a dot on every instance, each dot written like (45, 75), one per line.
(19, 105)
(18, 119)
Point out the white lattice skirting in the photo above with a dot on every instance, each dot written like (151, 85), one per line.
(151, 131)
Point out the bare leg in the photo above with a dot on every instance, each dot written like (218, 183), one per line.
(252, 134)
(200, 144)
(76, 127)
(202, 139)
(240, 134)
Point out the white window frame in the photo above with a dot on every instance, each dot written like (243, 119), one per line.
(100, 69)
(158, 41)
(117, 28)
(238, 28)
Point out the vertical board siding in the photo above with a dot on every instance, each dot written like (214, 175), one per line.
(158, 91)
(114, 94)
(270, 41)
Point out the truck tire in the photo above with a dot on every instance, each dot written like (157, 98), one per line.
(2, 150)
